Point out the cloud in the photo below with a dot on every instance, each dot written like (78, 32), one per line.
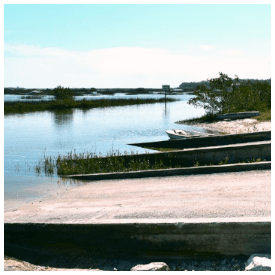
(32, 66)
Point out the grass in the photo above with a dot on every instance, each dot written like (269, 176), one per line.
(47, 166)
(91, 163)
(20, 107)
(201, 119)
(264, 116)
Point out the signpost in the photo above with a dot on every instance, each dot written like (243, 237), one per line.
(165, 89)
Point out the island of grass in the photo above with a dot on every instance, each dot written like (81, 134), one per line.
(64, 99)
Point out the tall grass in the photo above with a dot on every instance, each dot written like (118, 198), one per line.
(47, 165)
(92, 163)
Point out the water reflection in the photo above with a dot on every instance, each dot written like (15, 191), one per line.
(63, 117)
(166, 111)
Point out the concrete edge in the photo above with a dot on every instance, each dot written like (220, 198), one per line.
(160, 221)
(223, 139)
(265, 165)
(161, 237)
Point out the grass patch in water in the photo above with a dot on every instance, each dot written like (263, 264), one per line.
(16, 107)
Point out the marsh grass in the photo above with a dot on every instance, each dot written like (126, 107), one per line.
(91, 163)
(24, 107)
(47, 165)
(115, 161)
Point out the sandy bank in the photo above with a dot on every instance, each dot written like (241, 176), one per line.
(238, 126)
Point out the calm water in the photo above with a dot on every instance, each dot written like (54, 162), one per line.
(29, 137)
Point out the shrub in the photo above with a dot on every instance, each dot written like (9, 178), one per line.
(61, 93)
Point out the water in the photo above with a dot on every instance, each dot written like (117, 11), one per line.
(29, 137)
(93, 96)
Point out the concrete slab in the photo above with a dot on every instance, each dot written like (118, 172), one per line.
(113, 216)
(211, 169)
(224, 195)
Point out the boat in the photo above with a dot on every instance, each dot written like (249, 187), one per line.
(184, 134)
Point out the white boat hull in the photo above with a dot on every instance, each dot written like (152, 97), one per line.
(183, 134)
(180, 134)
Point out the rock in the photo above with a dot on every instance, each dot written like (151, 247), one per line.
(155, 266)
(258, 262)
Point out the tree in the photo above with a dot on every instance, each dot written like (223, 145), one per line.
(61, 93)
(225, 94)
(212, 98)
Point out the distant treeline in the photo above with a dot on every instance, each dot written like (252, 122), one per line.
(80, 91)
(191, 86)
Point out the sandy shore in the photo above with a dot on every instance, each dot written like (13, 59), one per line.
(238, 126)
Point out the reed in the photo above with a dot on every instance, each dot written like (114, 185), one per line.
(115, 161)
(91, 163)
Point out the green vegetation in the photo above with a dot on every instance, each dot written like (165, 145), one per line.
(91, 163)
(205, 118)
(226, 161)
(227, 95)
(64, 99)
(264, 116)
(24, 107)
(61, 93)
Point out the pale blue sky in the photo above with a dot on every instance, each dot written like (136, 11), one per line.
(134, 45)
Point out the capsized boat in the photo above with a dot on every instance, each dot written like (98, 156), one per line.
(184, 134)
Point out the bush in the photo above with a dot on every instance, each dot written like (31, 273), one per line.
(61, 93)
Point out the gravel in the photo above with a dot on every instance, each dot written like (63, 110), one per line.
(99, 264)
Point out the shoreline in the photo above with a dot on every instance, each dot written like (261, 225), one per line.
(239, 126)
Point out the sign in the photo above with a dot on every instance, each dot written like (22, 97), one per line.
(165, 88)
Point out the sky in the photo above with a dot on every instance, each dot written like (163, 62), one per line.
(134, 45)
